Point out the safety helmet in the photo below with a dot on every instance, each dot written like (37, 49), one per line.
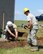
(9, 23)
(26, 9)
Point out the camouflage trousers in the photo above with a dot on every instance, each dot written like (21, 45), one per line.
(32, 38)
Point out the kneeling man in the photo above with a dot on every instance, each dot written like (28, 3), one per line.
(11, 31)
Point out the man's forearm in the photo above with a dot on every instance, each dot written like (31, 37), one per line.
(12, 34)
(16, 33)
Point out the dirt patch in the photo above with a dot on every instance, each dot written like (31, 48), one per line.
(12, 44)
(40, 41)
(21, 43)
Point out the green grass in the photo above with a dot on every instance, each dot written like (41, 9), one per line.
(20, 50)
(19, 23)
(39, 33)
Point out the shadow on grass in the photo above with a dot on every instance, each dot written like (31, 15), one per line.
(40, 47)
(20, 34)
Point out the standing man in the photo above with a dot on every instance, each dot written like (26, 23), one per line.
(33, 26)
(11, 31)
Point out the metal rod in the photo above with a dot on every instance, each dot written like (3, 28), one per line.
(3, 22)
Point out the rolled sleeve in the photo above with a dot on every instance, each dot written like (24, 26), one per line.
(14, 26)
(6, 27)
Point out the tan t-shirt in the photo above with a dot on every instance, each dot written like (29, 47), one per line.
(32, 17)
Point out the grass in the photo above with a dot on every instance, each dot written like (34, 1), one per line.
(20, 50)
(39, 33)
(26, 49)
(19, 23)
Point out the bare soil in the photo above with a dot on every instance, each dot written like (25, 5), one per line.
(22, 43)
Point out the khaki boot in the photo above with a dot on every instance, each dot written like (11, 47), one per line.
(34, 49)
